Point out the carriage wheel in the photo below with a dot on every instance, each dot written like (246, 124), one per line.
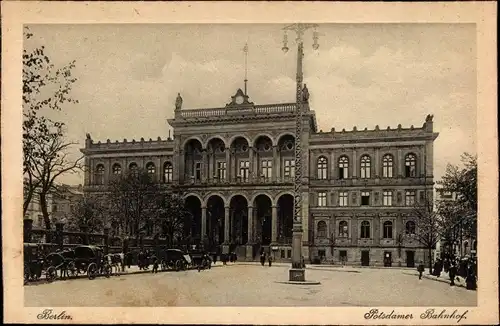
(72, 270)
(107, 270)
(164, 265)
(92, 271)
(51, 273)
(178, 265)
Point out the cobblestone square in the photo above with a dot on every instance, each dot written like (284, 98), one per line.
(253, 285)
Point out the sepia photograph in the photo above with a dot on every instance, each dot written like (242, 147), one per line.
(251, 164)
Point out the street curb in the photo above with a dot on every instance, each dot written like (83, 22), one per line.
(443, 280)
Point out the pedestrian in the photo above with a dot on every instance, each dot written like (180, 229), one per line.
(452, 273)
(140, 258)
(262, 258)
(155, 264)
(270, 260)
(420, 270)
(215, 258)
(470, 280)
(446, 265)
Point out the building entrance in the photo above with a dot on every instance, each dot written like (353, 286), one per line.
(387, 259)
(365, 258)
(410, 259)
(263, 221)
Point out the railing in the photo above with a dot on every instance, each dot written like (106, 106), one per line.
(258, 109)
(237, 180)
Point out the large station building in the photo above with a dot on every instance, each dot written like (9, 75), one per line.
(234, 166)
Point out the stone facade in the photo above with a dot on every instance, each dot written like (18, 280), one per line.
(237, 161)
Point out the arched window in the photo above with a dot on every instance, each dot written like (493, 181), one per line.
(150, 167)
(365, 167)
(474, 245)
(365, 230)
(343, 167)
(387, 166)
(387, 230)
(117, 169)
(321, 229)
(410, 227)
(134, 169)
(99, 174)
(168, 172)
(322, 168)
(343, 229)
(410, 166)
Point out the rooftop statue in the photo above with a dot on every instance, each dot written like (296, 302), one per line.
(88, 136)
(178, 102)
(305, 94)
(429, 118)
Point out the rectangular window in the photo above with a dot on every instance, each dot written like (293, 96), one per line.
(365, 198)
(282, 253)
(322, 199)
(289, 168)
(321, 254)
(244, 170)
(221, 170)
(267, 169)
(410, 198)
(343, 173)
(387, 198)
(343, 199)
(197, 171)
(289, 253)
(422, 196)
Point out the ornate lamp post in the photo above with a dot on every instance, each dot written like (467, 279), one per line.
(297, 272)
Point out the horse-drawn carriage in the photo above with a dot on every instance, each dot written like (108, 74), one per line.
(89, 260)
(33, 262)
(174, 259)
(201, 259)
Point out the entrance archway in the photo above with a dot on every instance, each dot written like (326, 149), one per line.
(238, 211)
(192, 225)
(215, 221)
(285, 218)
(263, 223)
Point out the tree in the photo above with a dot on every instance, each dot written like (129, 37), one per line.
(87, 212)
(134, 202)
(427, 226)
(173, 218)
(45, 88)
(462, 183)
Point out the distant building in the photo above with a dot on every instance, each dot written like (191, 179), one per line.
(235, 166)
(64, 200)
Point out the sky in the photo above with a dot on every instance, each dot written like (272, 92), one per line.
(362, 75)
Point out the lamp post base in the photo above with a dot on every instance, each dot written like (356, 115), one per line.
(297, 275)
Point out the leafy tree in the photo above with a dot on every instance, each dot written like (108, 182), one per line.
(133, 202)
(173, 218)
(45, 88)
(87, 212)
(462, 183)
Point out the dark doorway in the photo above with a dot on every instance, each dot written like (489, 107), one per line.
(410, 259)
(263, 223)
(192, 227)
(239, 220)
(285, 218)
(387, 259)
(215, 222)
(365, 258)
(343, 256)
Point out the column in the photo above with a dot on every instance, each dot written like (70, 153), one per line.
(252, 173)
(354, 164)
(422, 168)
(203, 223)
(234, 172)
(228, 164)
(332, 165)
(276, 165)
(204, 172)
(377, 163)
(399, 163)
(250, 224)
(274, 223)
(226, 224)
